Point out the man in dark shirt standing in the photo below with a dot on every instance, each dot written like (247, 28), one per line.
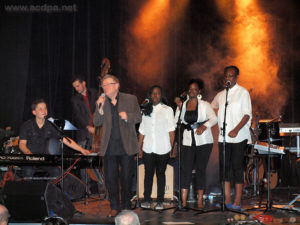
(118, 113)
(35, 134)
(83, 106)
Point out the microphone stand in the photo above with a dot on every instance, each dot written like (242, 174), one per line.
(60, 128)
(137, 202)
(179, 204)
(223, 206)
(269, 202)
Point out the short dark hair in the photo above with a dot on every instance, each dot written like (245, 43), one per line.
(78, 77)
(199, 83)
(36, 102)
(235, 68)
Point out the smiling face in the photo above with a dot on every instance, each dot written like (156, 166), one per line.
(156, 96)
(40, 111)
(194, 90)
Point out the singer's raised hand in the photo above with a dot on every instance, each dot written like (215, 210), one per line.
(100, 102)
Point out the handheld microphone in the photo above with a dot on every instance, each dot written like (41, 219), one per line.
(103, 95)
(228, 83)
(145, 102)
(183, 96)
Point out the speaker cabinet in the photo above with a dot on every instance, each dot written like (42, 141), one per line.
(34, 200)
(169, 192)
(74, 188)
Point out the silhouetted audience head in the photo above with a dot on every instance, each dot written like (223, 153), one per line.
(54, 221)
(4, 215)
(127, 217)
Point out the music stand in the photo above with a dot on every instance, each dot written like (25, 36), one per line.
(60, 125)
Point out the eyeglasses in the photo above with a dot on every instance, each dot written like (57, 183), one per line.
(105, 85)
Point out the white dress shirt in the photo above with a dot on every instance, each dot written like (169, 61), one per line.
(156, 128)
(239, 105)
(205, 112)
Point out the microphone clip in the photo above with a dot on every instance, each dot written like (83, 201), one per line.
(145, 103)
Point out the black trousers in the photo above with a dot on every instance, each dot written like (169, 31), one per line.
(155, 163)
(198, 155)
(111, 171)
(234, 161)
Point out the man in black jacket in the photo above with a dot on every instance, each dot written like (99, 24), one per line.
(83, 105)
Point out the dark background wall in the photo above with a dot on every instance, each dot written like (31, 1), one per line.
(40, 51)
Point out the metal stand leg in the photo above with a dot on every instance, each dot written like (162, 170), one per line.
(292, 202)
(86, 188)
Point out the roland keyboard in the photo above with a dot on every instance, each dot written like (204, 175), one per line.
(48, 160)
(262, 148)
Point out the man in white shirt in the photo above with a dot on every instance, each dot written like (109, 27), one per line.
(238, 119)
(155, 141)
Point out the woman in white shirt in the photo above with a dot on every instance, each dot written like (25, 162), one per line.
(197, 117)
(155, 141)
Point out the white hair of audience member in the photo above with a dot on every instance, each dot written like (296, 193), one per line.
(4, 215)
(127, 217)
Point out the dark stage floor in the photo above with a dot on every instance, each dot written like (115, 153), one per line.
(96, 211)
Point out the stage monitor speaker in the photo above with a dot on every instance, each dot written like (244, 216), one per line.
(74, 188)
(34, 200)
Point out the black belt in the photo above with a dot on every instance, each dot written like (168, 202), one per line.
(194, 126)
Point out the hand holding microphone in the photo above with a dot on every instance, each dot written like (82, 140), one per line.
(145, 102)
(100, 102)
(183, 96)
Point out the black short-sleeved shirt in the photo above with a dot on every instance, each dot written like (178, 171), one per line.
(37, 137)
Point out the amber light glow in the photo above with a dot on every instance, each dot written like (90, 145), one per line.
(147, 43)
(250, 40)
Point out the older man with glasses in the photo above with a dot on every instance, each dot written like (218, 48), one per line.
(117, 113)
